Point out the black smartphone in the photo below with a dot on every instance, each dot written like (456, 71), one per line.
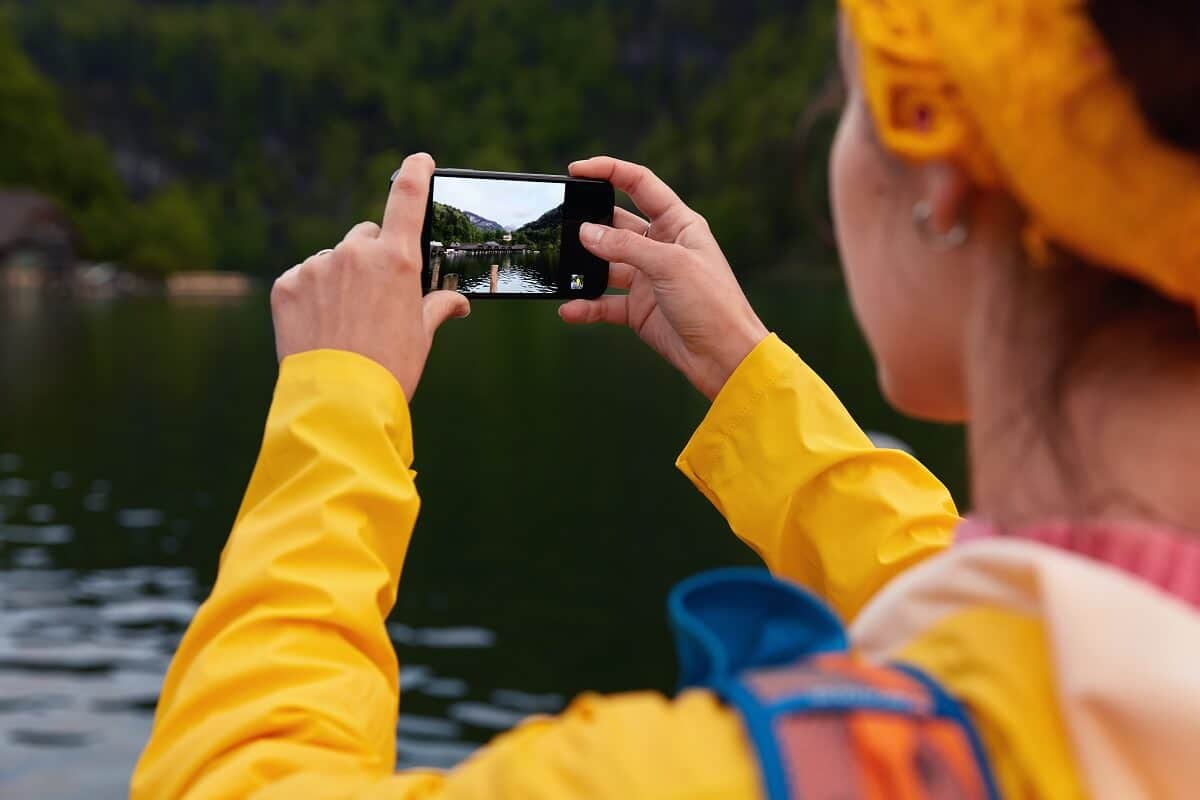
(514, 235)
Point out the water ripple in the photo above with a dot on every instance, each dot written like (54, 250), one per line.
(485, 715)
(442, 638)
(140, 518)
(83, 653)
(36, 534)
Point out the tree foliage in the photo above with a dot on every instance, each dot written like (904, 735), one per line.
(452, 225)
(545, 231)
(173, 234)
(272, 125)
(40, 149)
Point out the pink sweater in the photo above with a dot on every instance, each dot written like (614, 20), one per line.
(1163, 557)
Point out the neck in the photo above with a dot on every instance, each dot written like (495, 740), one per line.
(1086, 417)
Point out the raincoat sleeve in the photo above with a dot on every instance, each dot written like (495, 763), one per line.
(285, 684)
(798, 480)
(288, 665)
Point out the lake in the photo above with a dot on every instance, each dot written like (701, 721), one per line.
(552, 527)
(533, 272)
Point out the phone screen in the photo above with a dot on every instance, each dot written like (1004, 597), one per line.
(513, 235)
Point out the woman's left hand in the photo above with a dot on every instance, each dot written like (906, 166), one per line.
(364, 296)
(683, 299)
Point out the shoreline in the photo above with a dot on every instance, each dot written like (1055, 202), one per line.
(102, 280)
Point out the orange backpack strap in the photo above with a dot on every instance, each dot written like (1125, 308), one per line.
(824, 724)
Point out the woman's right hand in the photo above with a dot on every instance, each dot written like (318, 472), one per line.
(683, 300)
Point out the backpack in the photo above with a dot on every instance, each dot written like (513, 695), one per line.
(824, 723)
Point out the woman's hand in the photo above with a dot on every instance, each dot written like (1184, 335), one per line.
(364, 295)
(683, 299)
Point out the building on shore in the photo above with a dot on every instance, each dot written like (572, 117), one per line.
(37, 241)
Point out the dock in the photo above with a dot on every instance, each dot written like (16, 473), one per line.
(486, 247)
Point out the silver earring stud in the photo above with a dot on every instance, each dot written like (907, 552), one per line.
(941, 242)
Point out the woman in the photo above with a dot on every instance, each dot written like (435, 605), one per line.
(1017, 193)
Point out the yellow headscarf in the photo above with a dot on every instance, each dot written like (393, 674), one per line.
(1025, 95)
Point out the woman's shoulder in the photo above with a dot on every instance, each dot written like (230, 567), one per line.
(639, 744)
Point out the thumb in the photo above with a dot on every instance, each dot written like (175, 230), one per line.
(438, 307)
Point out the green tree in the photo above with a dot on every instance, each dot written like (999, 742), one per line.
(41, 150)
(173, 235)
(737, 157)
(545, 231)
(282, 120)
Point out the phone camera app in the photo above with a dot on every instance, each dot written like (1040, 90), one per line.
(496, 236)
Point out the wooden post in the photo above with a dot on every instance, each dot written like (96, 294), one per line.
(495, 277)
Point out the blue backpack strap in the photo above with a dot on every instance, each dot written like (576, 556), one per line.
(765, 647)
(730, 620)
(947, 707)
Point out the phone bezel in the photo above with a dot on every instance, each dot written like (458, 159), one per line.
(595, 270)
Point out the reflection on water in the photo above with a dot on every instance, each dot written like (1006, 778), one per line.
(81, 659)
(83, 654)
(531, 272)
(552, 523)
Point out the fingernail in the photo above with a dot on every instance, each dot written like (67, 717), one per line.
(395, 175)
(591, 233)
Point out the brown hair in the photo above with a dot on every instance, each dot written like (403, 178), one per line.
(1156, 46)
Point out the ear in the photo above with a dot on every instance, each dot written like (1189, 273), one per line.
(947, 189)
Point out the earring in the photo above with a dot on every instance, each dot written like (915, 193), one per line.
(940, 242)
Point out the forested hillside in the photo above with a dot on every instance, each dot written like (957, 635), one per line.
(454, 225)
(245, 134)
(545, 231)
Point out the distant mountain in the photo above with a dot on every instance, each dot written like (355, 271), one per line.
(451, 224)
(483, 223)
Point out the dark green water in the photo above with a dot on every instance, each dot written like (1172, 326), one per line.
(553, 521)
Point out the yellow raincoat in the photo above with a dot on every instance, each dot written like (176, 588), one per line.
(285, 684)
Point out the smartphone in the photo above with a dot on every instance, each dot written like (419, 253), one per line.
(513, 235)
